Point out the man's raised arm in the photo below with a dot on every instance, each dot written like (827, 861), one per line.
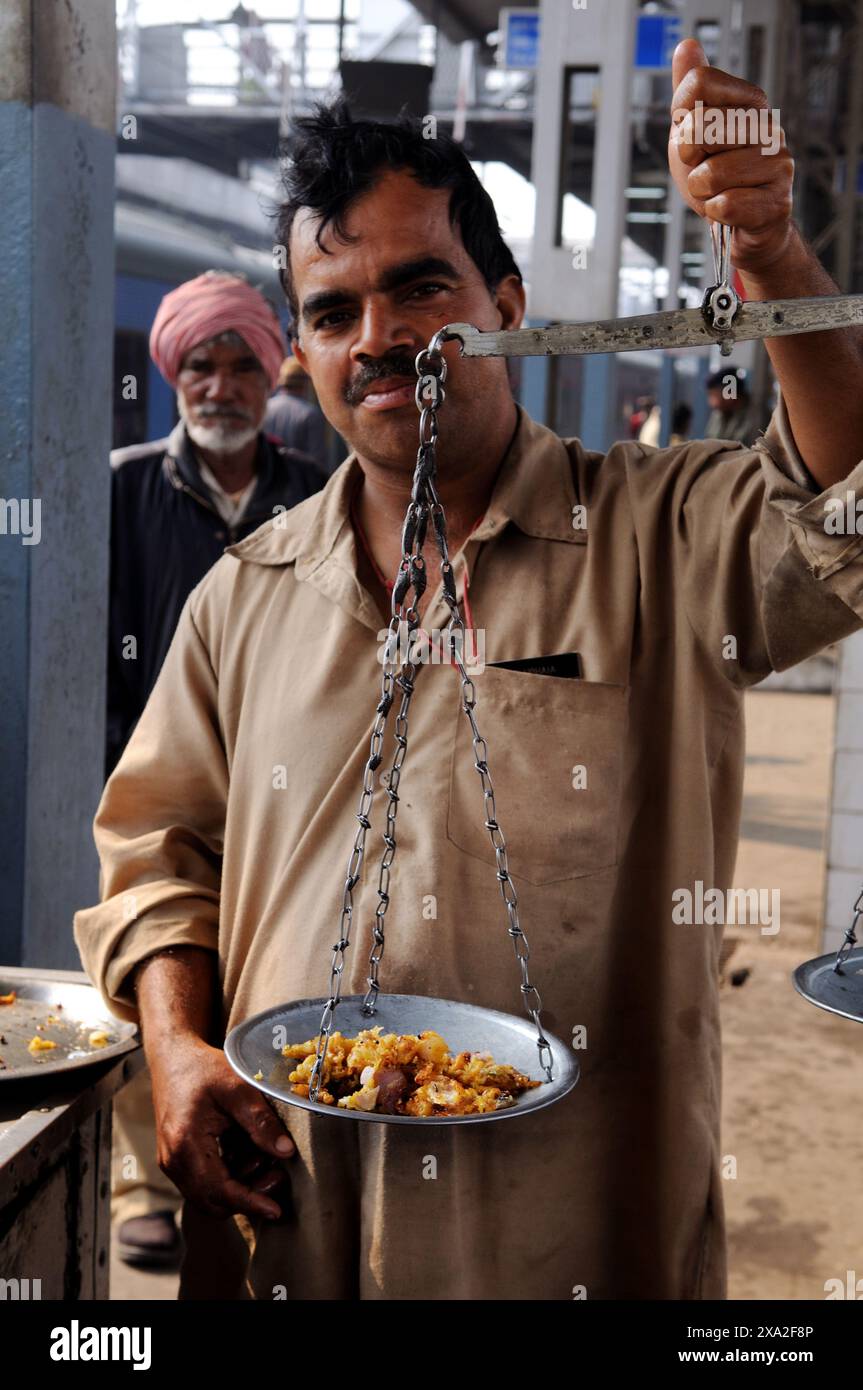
(749, 187)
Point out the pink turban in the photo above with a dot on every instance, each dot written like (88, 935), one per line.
(203, 308)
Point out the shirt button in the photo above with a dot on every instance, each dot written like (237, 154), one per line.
(220, 535)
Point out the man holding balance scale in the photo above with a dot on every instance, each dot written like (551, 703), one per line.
(225, 830)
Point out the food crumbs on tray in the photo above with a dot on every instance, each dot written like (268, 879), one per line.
(98, 1039)
(9, 998)
(259, 1076)
(405, 1074)
(38, 1044)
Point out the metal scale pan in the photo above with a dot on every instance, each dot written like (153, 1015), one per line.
(250, 1049)
(839, 991)
(48, 1005)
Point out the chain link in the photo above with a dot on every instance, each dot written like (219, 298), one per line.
(850, 938)
(357, 854)
(530, 994)
(425, 505)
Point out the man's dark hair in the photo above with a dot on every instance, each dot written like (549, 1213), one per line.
(330, 160)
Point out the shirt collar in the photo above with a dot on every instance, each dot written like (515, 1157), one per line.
(179, 449)
(534, 489)
(230, 506)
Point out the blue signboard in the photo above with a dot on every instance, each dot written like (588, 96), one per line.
(656, 38)
(520, 38)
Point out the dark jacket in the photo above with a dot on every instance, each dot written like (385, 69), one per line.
(299, 424)
(165, 535)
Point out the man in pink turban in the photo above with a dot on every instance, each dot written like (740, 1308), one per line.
(176, 504)
(220, 320)
(202, 309)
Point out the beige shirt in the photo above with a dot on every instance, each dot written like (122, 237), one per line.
(700, 568)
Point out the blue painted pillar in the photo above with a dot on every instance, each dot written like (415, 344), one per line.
(57, 123)
(666, 398)
(598, 401)
(534, 391)
(701, 408)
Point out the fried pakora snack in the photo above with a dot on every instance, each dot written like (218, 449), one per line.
(406, 1074)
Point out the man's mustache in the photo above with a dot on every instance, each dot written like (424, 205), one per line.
(397, 364)
(219, 413)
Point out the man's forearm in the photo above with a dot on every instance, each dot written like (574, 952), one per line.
(176, 993)
(820, 374)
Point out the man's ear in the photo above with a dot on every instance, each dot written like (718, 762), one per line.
(511, 302)
(299, 354)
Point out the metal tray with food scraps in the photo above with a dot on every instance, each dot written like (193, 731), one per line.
(254, 1050)
(839, 991)
(54, 1026)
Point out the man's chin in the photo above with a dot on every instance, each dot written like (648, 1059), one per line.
(389, 437)
(221, 441)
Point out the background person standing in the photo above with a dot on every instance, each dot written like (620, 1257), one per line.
(733, 413)
(293, 417)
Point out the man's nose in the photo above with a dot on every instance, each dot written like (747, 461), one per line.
(382, 329)
(221, 386)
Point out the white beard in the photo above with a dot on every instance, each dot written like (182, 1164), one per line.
(216, 436)
(220, 439)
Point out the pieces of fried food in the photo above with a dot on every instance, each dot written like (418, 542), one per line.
(405, 1074)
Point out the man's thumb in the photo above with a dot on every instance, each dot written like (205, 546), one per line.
(688, 54)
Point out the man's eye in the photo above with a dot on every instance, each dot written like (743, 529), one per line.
(430, 285)
(327, 320)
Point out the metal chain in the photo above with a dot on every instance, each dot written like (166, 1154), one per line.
(412, 575)
(405, 680)
(404, 621)
(429, 388)
(850, 939)
(720, 241)
(355, 861)
(530, 994)
(424, 504)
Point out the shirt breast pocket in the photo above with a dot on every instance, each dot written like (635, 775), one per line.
(555, 758)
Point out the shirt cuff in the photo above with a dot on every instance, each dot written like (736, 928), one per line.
(823, 521)
(111, 951)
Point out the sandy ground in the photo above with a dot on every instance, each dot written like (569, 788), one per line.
(792, 1073)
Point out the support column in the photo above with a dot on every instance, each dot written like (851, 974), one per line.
(535, 383)
(57, 140)
(600, 37)
(597, 401)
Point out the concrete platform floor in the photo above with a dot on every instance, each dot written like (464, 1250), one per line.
(792, 1073)
(145, 1284)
